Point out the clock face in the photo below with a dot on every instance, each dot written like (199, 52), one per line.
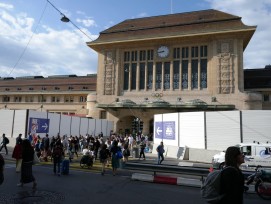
(163, 51)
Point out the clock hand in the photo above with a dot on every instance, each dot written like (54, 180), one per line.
(161, 51)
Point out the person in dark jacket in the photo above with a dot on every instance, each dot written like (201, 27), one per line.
(115, 160)
(17, 153)
(232, 179)
(26, 171)
(4, 143)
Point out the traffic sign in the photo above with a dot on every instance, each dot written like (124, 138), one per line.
(39, 125)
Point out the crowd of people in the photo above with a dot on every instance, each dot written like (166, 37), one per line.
(108, 151)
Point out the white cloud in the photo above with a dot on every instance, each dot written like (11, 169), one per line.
(6, 6)
(50, 52)
(87, 22)
(258, 13)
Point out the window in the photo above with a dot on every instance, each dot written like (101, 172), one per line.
(41, 98)
(70, 88)
(176, 74)
(6, 99)
(134, 56)
(150, 75)
(31, 88)
(167, 75)
(176, 53)
(142, 76)
(194, 52)
(17, 99)
(103, 115)
(185, 74)
(29, 99)
(203, 51)
(82, 98)
(195, 74)
(150, 55)
(43, 88)
(158, 77)
(55, 99)
(185, 52)
(266, 97)
(69, 99)
(85, 87)
(126, 56)
(126, 77)
(133, 77)
(142, 56)
(56, 88)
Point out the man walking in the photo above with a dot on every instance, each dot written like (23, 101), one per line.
(4, 143)
(160, 150)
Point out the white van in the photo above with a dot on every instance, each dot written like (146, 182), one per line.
(255, 154)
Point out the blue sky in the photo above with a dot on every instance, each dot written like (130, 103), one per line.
(33, 40)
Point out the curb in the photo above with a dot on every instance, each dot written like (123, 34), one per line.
(166, 180)
(180, 181)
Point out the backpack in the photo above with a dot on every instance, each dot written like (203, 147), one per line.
(210, 190)
(57, 152)
(6, 140)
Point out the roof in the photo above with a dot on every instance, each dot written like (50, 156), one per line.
(174, 25)
(257, 78)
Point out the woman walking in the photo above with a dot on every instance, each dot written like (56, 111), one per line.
(232, 179)
(26, 171)
(17, 153)
(115, 159)
(104, 156)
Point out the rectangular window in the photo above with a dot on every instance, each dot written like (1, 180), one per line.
(133, 76)
(150, 75)
(176, 53)
(158, 77)
(17, 99)
(142, 56)
(126, 56)
(203, 73)
(29, 99)
(176, 74)
(194, 80)
(203, 51)
(126, 77)
(185, 52)
(134, 56)
(150, 55)
(185, 74)
(82, 99)
(103, 115)
(266, 97)
(41, 98)
(142, 76)
(167, 75)
(194, 52)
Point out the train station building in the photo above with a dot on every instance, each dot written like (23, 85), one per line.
(171, 63)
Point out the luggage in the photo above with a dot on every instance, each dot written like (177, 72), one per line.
(65, 167)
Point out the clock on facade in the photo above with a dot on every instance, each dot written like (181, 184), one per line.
(163, 51)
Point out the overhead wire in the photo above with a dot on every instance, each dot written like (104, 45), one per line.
(25, 48)
(69, 20)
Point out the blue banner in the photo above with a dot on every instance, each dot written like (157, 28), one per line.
(165, 130)
(38, 125)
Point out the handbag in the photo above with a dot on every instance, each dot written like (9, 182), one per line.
(119, 154)
(36, 159)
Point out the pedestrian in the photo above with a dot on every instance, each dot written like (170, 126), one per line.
(232, 179)
(115, 161)
(57, 154)
(4, 143)
(27, 163)
(142, 146)
(2, 164)
(46, 143)
(160, 150)
(17, 153)
(96, 146)
(126, 152)
(104, 156)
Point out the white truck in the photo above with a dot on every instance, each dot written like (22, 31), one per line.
(255, 154)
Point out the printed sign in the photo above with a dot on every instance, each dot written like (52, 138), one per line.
(39, 125)
(165, 130)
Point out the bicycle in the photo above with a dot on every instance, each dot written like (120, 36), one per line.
(262, 180)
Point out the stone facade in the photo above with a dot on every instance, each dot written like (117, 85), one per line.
(179, 62)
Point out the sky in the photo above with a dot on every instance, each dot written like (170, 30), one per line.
(35, 42)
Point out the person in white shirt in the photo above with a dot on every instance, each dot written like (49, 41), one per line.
(131, 141)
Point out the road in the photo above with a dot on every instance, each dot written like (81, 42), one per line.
(90, 187)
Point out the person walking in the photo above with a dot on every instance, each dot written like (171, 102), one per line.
(27, 163)
(104, 156)
(142, 146)
(17, 153)
(57, 155)
(232, 179)
(126, 152)
(115, 161)
(4, 143)
(160, 150)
